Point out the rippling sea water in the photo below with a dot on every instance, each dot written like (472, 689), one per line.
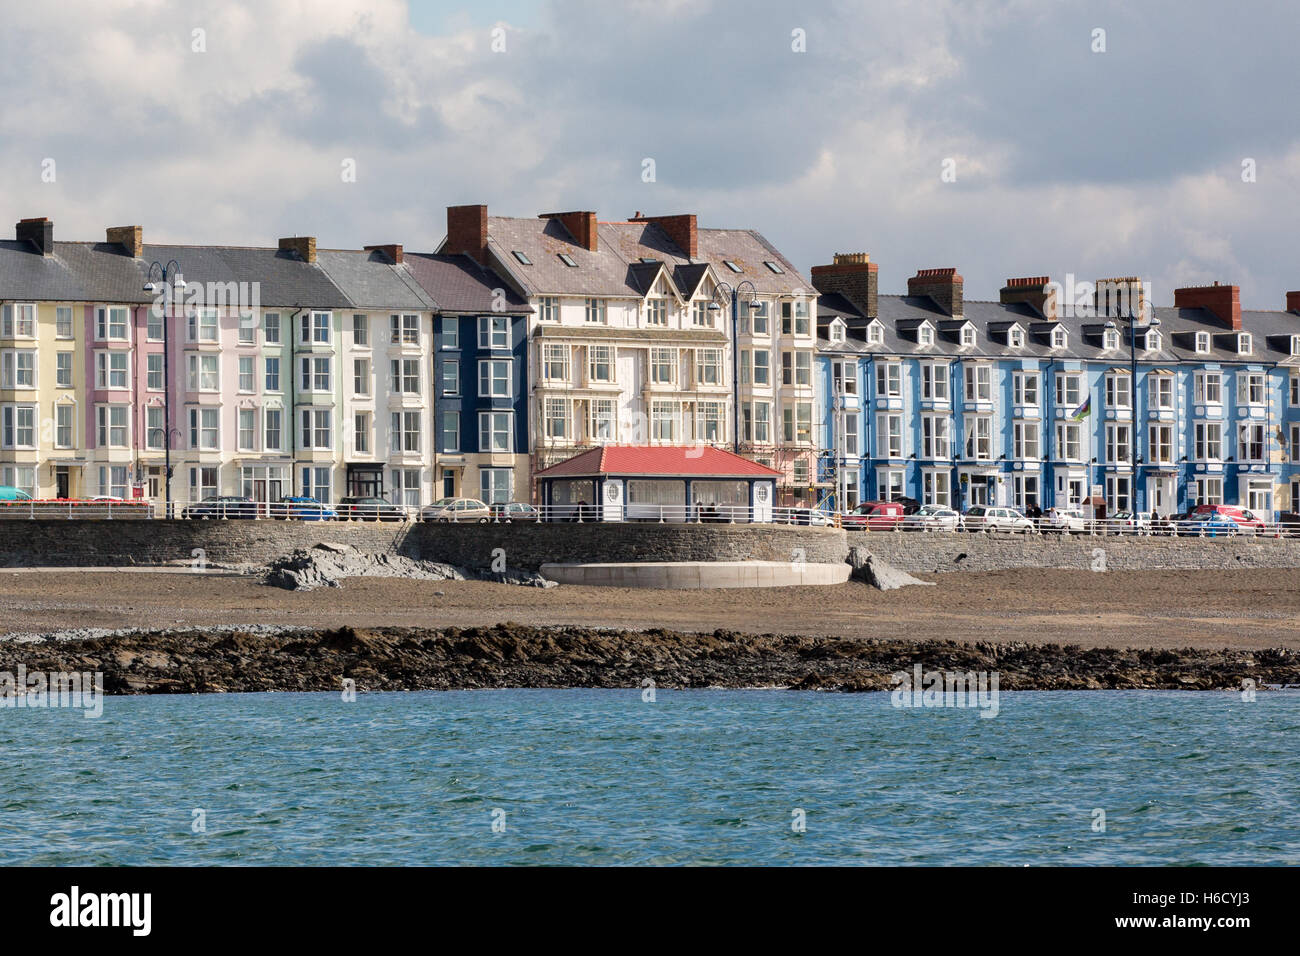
(601, 777)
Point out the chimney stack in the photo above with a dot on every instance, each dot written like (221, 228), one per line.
(581, 225)
(1293, 301)
(942, 286)
(392, 250)
(852, 275)
(130, 238)
(1035, 291)
(304, 247)
(681, 230)
(1223, 300)
(39, 232)
(467, 232)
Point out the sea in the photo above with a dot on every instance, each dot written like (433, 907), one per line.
(643, 777)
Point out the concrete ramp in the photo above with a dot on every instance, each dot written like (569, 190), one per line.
(694, 575)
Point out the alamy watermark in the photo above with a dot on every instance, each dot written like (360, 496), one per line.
(921, 688)
(40, 689)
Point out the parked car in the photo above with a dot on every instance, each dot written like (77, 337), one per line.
(1289, 523)
(932, 518)
(806, 516)
(304, 508)
(1241, 519)
(514, 511)
(222, 506)
(10, 493)
(1210, 524)
(1064, 521)
(1126, 522)
(874, 516)
(367, 508)
(457, 509)
(991, 518)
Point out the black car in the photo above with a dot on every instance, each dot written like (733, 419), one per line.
(361, 508)
(222, 506)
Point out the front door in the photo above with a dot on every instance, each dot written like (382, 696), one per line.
(1161, 495)
(61, 483)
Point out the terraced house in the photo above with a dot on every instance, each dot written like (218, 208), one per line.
(1034, 402)
(293, 371)
(631, 335)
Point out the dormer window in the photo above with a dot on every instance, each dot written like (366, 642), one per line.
(1016, 337)
(1059, 338)
(1153, 341)
(875, 334)
(1202, 343)
(1110, 339)
(967, 337)
(1244, 345)
(837, 331)
(925, 335)
(1295, 345)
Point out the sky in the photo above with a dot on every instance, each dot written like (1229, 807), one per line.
(1004, 137)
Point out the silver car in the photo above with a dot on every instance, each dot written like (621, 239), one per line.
(994, 518)
(932, 518)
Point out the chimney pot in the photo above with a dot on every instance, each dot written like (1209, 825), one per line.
(581, 225)
(304, 247)
(130, 238)
(681, 229)
(39, 232)
(852, 275)
(1223, 301)
(467, 232)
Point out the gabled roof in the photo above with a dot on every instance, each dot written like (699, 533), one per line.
(456, 283)
(659, 460)
(76, 272)
(371, 280)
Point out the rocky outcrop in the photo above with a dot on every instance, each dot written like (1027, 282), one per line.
(512, 655)
(879, 574)
(329, 563)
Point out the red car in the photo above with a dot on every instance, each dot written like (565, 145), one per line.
(1242, 517)
(874, 516)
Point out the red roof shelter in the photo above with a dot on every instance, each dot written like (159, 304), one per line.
(658, 482)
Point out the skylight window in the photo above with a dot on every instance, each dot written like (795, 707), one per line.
(568, 260)
(523, 259)
(732, 266)
(774, 267)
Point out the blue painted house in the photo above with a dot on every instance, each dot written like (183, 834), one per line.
(1035, 402)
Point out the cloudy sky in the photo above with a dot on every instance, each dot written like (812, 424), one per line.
(828, 126)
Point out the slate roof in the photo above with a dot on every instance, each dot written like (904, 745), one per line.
(1271, 332)
(662, 460)
(371, 280)
(76, 272)
(285, 280)
(619, 266)
(456, 283)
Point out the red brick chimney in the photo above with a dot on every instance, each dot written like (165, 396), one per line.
(1293, 301)
(852, 275)
(130, 238)
(39, 232)
(943, 286)
(681, 230)
(467, 232)
(304, 247)
(1035, 291)
(392, 250)
(1223, 300)
(581, 225)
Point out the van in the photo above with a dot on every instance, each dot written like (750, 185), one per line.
(9, 493)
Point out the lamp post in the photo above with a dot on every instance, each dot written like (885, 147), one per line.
(1133, 326)
(723, 292)
(172, 283)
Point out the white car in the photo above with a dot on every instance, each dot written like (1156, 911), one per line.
(991, 518)
(1065, 520)
(932, 518)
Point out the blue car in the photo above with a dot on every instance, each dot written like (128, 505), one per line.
(305, 509)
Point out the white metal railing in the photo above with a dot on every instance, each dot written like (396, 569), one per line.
(1143, 526)
(105, 509)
